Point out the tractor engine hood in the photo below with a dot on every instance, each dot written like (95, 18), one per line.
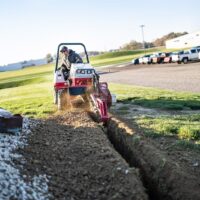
(81, 71)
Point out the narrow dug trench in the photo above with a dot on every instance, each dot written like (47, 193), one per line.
(164, 178)
(76, 156)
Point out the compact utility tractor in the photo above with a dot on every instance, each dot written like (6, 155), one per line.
(83, 81)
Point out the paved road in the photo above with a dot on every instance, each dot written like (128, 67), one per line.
(168, 76)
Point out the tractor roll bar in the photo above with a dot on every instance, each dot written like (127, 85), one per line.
(61, 44)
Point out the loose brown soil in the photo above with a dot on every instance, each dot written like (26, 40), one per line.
(81, 163)
(168, 173)
(79, 160)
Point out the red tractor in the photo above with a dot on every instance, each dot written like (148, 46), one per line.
(83, 81)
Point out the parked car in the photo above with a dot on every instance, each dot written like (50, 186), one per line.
(141, 60)
(168, 57)
(157, 58)
(189, 55)
(152, 57)
(135, 61)
(147, 59)
(175, 55)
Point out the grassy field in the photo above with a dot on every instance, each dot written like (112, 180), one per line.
(185, 127)
(28, 91)
(156, 98)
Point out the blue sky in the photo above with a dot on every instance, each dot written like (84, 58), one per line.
(30, 29)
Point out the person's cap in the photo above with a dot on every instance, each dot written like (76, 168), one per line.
(64, 48)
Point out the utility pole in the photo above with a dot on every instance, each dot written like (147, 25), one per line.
(142, 26)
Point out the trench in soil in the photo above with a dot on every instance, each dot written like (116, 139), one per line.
(163, 177)
(78, 160)
(125, 152)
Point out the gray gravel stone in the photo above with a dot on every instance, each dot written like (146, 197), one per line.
(12, 183)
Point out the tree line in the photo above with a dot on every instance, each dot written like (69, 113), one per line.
(133, 45)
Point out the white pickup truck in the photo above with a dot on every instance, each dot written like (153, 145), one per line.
(175, 56)
(189, 55)
(146, 59)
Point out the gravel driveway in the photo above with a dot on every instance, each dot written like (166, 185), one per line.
(167, 76)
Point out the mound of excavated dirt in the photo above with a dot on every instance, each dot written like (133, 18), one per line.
(78, 159)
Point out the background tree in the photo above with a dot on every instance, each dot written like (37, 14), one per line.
(49, 58)
(161, 41)
(132, 45)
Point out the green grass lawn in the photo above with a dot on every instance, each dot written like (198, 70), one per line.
(28, 91)
(156, 98)
(185, 128)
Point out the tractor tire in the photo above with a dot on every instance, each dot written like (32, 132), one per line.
(185, 60)
(55, 97)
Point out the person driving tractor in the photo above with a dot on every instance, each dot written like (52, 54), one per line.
(69, 56)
